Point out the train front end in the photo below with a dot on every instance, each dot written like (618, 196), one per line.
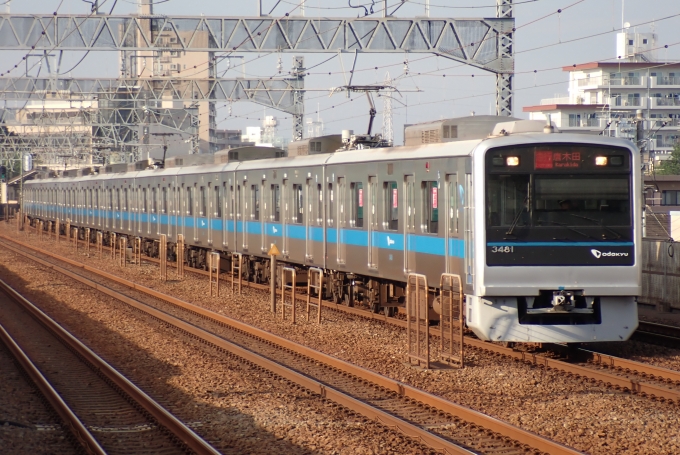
(557, 239)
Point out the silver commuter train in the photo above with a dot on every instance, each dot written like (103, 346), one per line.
(543, 228)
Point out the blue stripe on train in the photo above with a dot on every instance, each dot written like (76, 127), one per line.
(355, 237)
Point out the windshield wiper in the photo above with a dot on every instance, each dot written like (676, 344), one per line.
(598, 222)
(516, 220)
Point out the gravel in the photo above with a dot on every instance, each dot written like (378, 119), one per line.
(589, 417)
(27, 425)
(237, 407)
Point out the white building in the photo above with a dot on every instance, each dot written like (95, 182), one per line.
(604, 97)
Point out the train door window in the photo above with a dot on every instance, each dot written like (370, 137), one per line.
(255, 194)
(391, 198)
(203, 207)
(430, 191)
(357, 190)
(319, 205)
(164, 199)
(190, 200)
(453, 204)
(276, 202)
(145, 200)
(298, 204)
(217, 201)
(118, 206)
(410, 203)
(331, 205)
(154, 200)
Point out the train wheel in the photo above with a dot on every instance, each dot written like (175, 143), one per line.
(391, 311)
(347, 301)
(375, 307)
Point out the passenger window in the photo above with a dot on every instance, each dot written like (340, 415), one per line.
(298, 204)
(391, 198)
(357, 190)
(430, 207)
(255, 192)
(218, 202)
(276, 203)
(204, 202)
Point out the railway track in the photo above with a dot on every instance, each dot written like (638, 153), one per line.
(664, 335)
(615, 372)
(102, 410)
(436, 422)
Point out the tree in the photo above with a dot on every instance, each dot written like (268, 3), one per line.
(670, 166)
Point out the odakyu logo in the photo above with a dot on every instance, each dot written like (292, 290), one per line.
(598, 254)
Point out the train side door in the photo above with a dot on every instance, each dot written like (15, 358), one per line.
(451, 222)
(225, 214)
(342, 221)
(263, 215)
(248, 209)
(409, 222)
(309, 198)
(469, 231)
(284, 217)
(238, 216)
(372, 221)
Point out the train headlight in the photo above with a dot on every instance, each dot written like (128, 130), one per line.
(512, 161)
(600, 161)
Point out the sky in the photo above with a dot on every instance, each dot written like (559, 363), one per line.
(545, 41)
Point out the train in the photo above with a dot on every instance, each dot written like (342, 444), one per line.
(543, 227)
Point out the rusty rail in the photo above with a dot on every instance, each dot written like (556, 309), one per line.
(183, 433)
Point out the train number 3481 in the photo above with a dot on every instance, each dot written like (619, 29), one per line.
(502, 249)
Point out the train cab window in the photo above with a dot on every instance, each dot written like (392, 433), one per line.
(276, 203)
(430, 207)
(391, 198)
(190, 200)
(217, 200)
(357, 190)
(203, 201)
(255, 193)
(298, 204)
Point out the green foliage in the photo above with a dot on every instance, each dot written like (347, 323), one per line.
(672, 165)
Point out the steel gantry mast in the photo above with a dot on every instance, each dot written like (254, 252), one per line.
(485, 43)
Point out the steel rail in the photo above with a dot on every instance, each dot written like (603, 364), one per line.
(609, 379)
(72, 422)
(502, 428)
(666, 335)
(184, 434)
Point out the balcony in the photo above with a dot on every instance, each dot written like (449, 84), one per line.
(633, 102)
(597, 123)
(670, 123)
(665, 103)
(665, 82)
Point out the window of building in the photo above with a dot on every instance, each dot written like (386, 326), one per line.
(430, 207)
(670, 197)
(357, 190)
(298, 204)
(391, 197)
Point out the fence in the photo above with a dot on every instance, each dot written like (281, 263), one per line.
(661, 274)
